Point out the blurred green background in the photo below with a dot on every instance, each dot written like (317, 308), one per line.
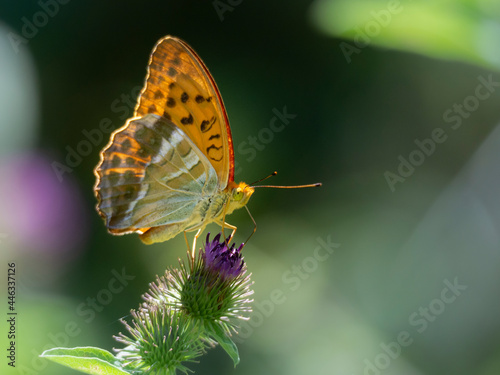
(397, 107)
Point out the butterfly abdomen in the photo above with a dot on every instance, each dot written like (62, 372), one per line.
(208, 210)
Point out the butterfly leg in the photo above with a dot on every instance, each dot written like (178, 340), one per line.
(194, 242)
(223, 225)
(254, 225)
(187, 242)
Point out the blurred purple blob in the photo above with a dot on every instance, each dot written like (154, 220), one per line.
(39, 213)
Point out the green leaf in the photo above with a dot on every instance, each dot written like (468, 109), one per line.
(218, 333)
(466, 30)
(88, 360)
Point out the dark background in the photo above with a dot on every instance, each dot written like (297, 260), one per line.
(397, 250)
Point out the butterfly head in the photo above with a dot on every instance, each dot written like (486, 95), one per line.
(240, 193)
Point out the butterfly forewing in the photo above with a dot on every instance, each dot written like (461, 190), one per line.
(180, 88)
(151, 174)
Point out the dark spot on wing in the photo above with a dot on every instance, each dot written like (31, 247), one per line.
(159, 94)
(184, 97)
(143, 152)
(213, 147)
(160, 55)
(170, 102)
(128, 175)
(126, 145)
(116, 161)
(153, 140)
(130, 192)
(206, 125)
(171, 72)
(187, 120)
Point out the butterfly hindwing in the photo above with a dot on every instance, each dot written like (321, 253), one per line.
(151, 174)
(180, 88)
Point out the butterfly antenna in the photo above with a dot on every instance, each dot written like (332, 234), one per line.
(318, 184)
(265, 178)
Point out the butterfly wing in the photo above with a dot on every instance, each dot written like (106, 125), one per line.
(151, 174)
(180, 88)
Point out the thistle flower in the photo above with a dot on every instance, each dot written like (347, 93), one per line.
(189, 309)
(213, 289)
(161, 341)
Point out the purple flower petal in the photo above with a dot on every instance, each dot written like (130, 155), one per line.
(227, 261)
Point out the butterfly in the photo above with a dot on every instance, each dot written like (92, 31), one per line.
(170, 168)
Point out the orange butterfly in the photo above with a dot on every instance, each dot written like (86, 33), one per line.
(170, 168)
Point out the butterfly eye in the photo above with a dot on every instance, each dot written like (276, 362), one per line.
(237, 194)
